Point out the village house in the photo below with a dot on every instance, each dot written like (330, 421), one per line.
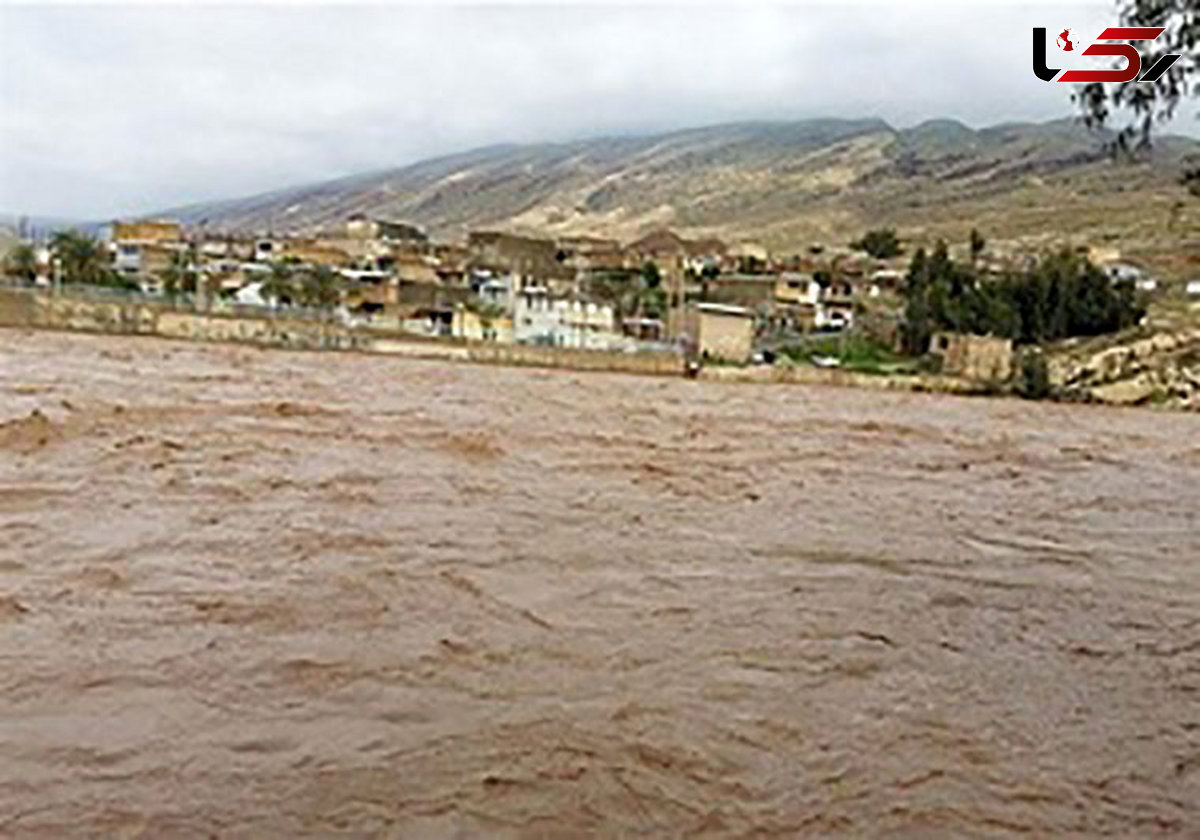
(590, 253)
(369, 292)
(313, 252)
(536, 260)
(265, 250)
(493, 289)
(473, 325)
(1125, 272)
(836, 309)
(451, 263)
(412, 268)
(142, 250)
(720, 332)
(981, 357)
(586, 325)
(662, 247)
(885, 280)
(679, 262)
(359, 226)
(797, 299)
(534, 319)
(508, 308)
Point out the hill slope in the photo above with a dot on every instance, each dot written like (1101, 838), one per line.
(784, 184)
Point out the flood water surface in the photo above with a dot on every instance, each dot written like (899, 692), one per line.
(257, 594)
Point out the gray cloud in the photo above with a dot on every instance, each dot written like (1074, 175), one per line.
(112, 110)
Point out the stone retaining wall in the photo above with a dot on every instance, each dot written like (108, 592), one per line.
(21, 308)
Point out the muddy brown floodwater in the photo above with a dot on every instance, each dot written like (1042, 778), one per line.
(259, 594)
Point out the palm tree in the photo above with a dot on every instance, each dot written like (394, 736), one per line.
(21, 264)
(81, 258)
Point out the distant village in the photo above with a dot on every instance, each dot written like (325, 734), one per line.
(725, 303)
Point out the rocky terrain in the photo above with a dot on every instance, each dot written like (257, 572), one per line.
(782, 184)
(1159, 367)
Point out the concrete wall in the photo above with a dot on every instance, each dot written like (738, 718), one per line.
(469, 326)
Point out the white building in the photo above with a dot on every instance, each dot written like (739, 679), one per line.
(538, 318)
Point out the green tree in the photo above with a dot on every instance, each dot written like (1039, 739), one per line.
(1033, 379)
(1148, 102)
(708, 275)
(882, 244)
(21, 264)
(619, 288)
(978, 243)
(319, 287)
(279, 287)
(652, 297)
(1060, 296)
(917, 326)
(180, 275)
(81, 258)
(651, 277)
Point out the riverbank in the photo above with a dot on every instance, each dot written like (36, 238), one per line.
(24, 309)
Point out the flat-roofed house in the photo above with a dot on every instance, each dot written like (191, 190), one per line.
(720, 331)
(143, 249)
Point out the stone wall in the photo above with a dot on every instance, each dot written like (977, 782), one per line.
(843, 378)
(558, 357)
(20, 308)
(979, 357)
(1161, 368)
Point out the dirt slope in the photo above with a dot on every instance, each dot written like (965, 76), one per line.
(785, 184)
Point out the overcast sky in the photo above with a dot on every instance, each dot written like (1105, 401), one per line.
(111, 110)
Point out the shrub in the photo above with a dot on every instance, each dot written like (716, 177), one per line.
(1033, 380)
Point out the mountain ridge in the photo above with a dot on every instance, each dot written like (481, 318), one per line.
(773, 180)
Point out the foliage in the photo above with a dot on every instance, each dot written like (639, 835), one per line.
(319, 287)
(1151, 101)
(280, 285)
(750, 264)
(853, 350)
(82, 260)
(632, 294)
(1033, 380)
(21, 264)
(1061, 296)
(978, 243)
(485, 310)
(652, 297)
(651, 278)
(180, 274)
(617, 288)
(882, 244)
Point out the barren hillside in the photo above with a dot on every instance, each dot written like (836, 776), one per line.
(785, 184)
